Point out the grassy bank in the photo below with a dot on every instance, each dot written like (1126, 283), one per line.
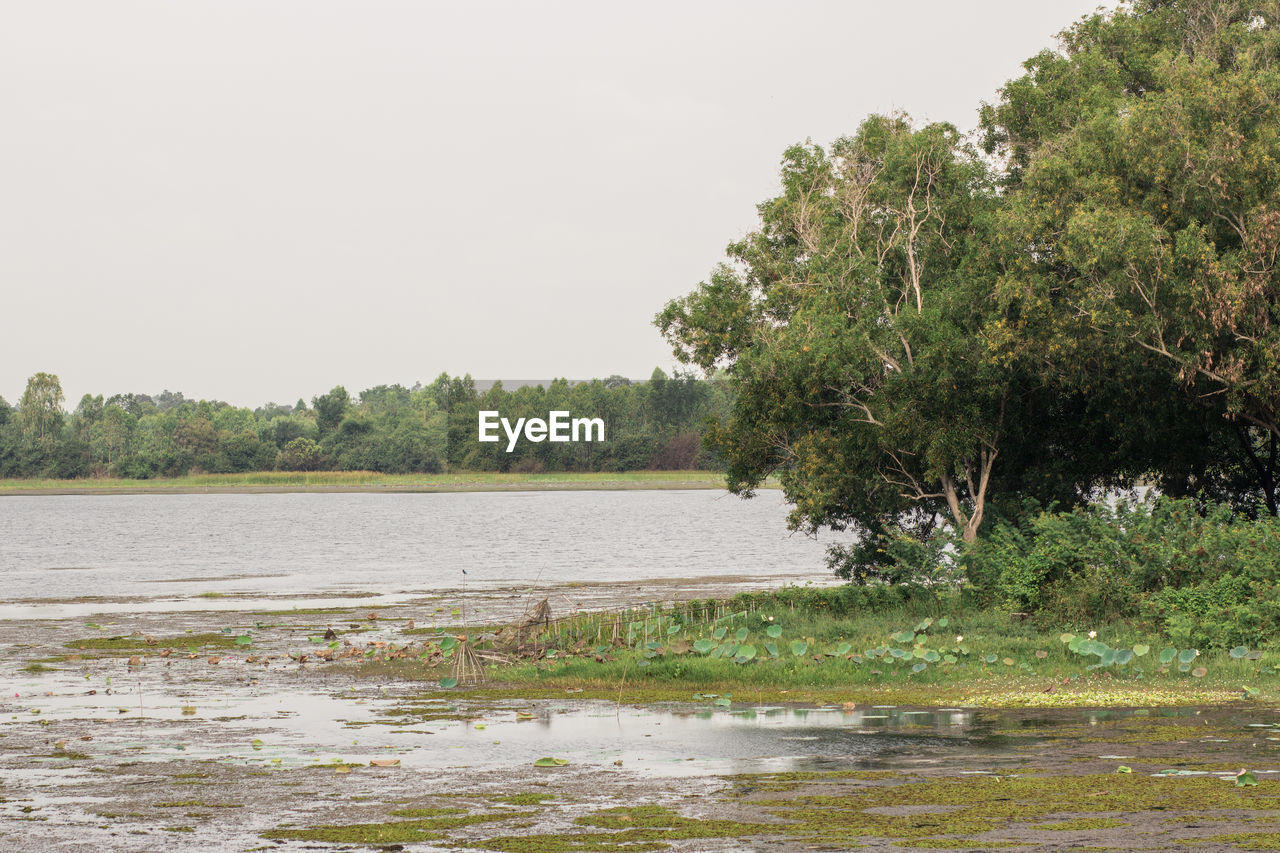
(821, 646)
(368, 481)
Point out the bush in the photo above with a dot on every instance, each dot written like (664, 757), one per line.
(1207, 578)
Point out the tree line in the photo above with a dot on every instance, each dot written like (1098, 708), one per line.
(388, 428)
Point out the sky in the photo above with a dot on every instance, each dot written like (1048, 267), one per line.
(256, 200)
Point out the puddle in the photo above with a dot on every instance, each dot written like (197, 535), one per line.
(291, 728)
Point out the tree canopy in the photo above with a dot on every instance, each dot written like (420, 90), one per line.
(1085, 297)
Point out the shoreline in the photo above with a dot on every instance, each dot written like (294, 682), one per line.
(366, 482)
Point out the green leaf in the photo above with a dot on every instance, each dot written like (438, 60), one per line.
(448, 682)
(774, 631)
(799, 647)
(943, 622)
(1066, 638)
(1124, 656)
(243, 640)
(772, 649)
(1246, 780)
(844, 648)
(741, 636)
(548, 761)
(1141, 649)
(745, 653)
(920, 667)
(256, 744)
(904, 637)
(923, 625)
(932, 657)
(1187, 655)
(1124, 768)
(674, 629)
(719, 633)
(1167, 656)
(723, 703)
(1238, 652)
(448, 644)
(703, 646)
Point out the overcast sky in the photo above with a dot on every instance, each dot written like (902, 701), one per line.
(255, 200)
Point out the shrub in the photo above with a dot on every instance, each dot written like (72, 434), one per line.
(1202, 575)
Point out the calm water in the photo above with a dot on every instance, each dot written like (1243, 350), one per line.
(167, 546)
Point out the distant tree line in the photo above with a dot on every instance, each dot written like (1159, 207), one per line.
(389, 428)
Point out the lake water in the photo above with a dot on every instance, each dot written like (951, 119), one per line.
(166, 547)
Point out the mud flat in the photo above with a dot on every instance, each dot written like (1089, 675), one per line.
(136, 730)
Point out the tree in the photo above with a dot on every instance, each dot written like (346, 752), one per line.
(331, 408)
(40, 409)
(851, 328)
(1143, 223)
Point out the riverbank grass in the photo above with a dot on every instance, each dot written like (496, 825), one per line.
(811, 646)
(357, 481)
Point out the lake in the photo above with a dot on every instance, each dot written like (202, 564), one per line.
(174, 547)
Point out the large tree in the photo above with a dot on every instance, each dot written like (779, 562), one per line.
(1142, 225)
(852, 326)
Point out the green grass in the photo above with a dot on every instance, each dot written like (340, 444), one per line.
(136, 642)
(981, 657)
(459, 481)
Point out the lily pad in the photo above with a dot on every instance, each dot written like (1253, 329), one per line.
(448, 682)
(745, 653)
(799, 647)
(1141, 649)
(1239, 652)
(548, 761)
(1187, 655)
(774, 631)
(703, 646)
(1245, 779)
(1167, 656)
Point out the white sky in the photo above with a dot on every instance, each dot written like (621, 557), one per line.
(255, 200)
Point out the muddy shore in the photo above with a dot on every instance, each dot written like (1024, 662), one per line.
(108, 742)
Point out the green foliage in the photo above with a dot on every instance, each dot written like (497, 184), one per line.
(389, 429)
(1206, 579)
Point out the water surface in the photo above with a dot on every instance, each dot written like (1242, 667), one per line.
(165, 546)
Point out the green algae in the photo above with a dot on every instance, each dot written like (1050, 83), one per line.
(137, 642)
(1241, 840)
(635, 828)
(984, 804)
(961, 844)
(393, 832)
(526, 799)
(1080, 824)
